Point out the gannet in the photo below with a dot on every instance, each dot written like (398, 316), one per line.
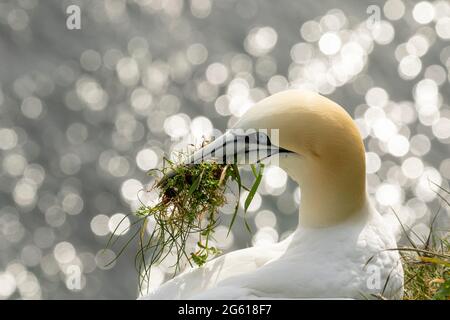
(341, 247)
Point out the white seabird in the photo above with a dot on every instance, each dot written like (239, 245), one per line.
(340, 248)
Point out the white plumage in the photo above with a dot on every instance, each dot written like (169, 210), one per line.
(340, 248)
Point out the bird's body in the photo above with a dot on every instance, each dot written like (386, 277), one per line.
(341, 247)
(344, 261)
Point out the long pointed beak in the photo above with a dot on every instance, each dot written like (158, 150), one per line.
(237, 146)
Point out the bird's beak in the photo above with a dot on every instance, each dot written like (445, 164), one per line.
(237, 146)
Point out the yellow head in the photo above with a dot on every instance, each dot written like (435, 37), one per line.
(328, 159)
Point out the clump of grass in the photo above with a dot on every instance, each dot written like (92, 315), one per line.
(427, 273)
(190, 197)
(427, 269)
(426, 264)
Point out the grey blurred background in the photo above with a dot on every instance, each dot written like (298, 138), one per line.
(85, 113)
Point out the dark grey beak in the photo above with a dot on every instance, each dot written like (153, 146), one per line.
(237, 146)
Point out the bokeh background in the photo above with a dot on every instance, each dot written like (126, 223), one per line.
(85, 113)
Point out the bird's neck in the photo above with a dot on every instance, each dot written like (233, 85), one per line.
(332, 188)
(330, 197)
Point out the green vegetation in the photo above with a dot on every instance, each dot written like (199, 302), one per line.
(188, 205)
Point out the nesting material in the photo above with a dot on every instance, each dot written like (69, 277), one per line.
(190, 197)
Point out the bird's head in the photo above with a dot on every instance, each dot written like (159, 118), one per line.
(313, 139)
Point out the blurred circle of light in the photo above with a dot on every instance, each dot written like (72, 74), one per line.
(118, 166)
(228, 207)
(419, 207)
(216, 73)
(8, 139)
(388, 194)
(169, 103)
(24, 193)
(197, 53)
(261, 41)
(424, 189)
(255, 204)
(200, 8)
(90, 91)
(373, 162)
(277, 83)
(111, 57)
(105, 259)
(445, 56)
(417, 45)
(29, 287)
(90, 60)
(55, 217)
(395, 174)
(311, 31)
(419, 233)
(119, 224)
(130, 189)
(14, 164)
(31, 107)
(423, 12)
(72, 204)
(409, 67)
(394, 9)
(201, 127)
(7, 285)
(49, 265)
(266, 67)
(330, 43)
(64, 252)
(265, 236)
(177, 126)
(146, 159)
(436, 73)
(141, 100)
(31, 255)
(12, 229)
(100, 225)
(412, 167)
(377, 97)
(223, 239)
(241, 63)
(77, 133)
(363, 128)
(302, 52)
(70, 163)
(444, 168)
(443, 28)
(265, 218)
(275, 177)
(128, 71)
(384, 33)
(441, 128)
(426, 96)
(398, 145)
(138, 47)
(222, 105)
(286, 204)
(331, 22)
(88, 261)
(384, 129)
